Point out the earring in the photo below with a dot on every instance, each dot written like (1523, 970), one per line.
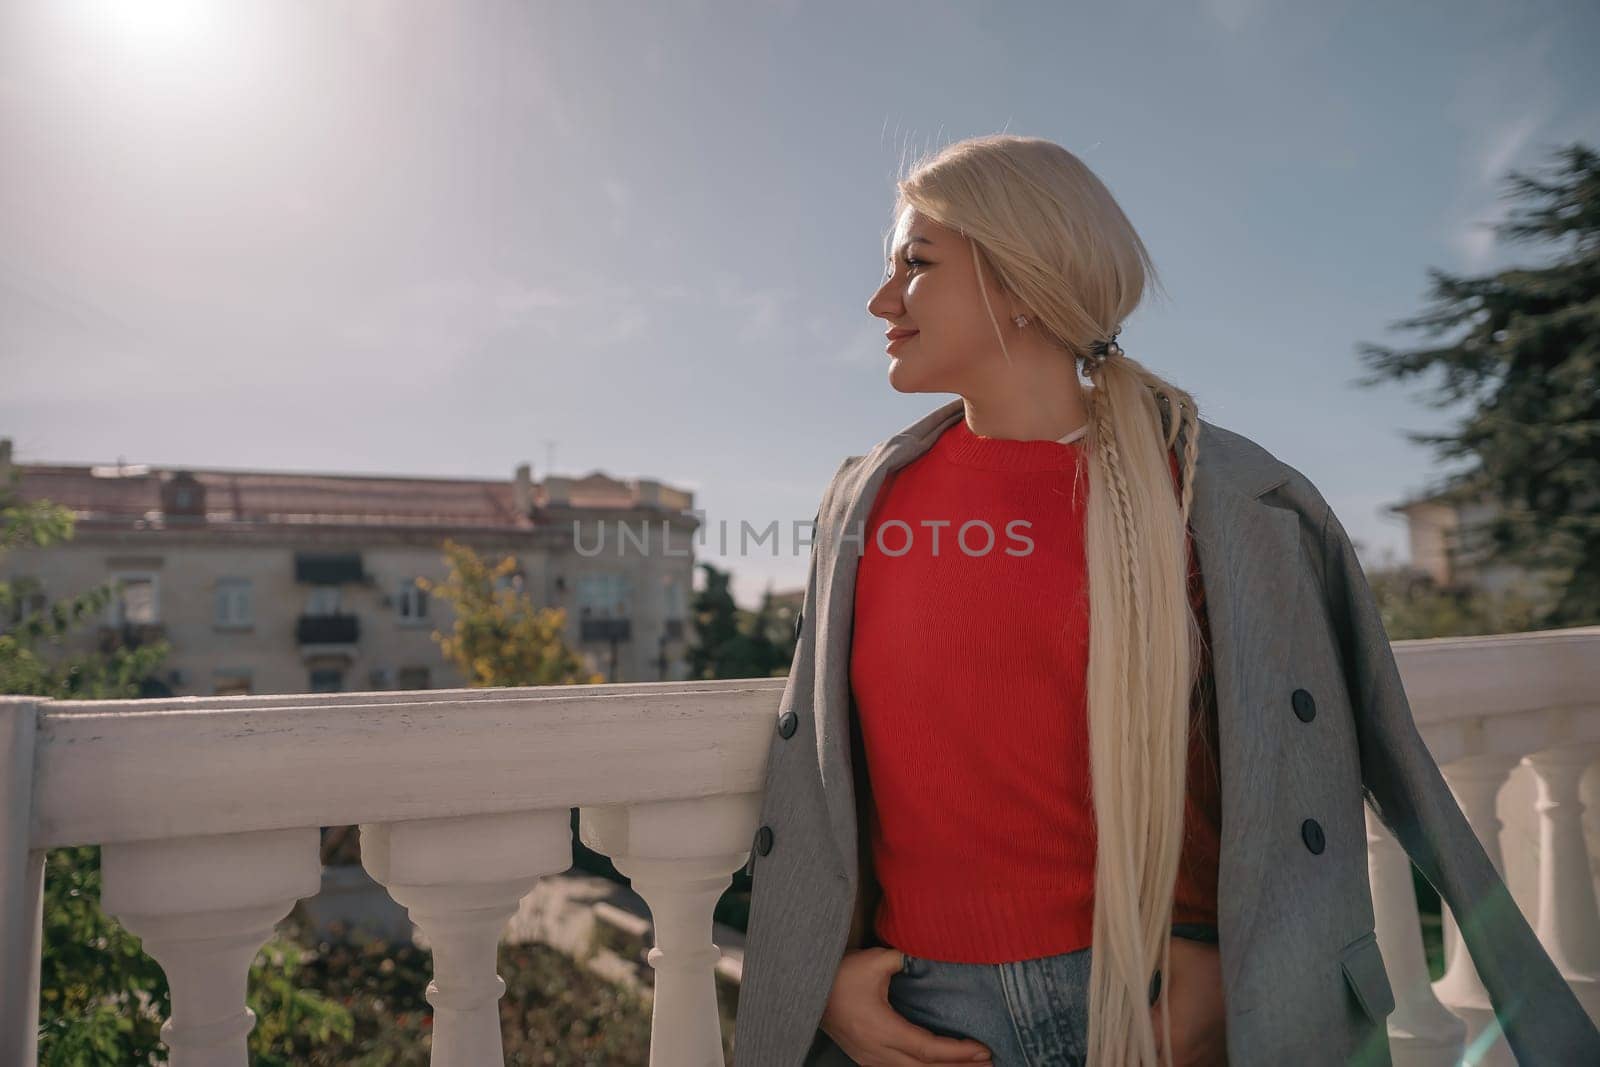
(1021, 320)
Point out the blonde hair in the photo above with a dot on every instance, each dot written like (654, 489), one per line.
(1050, 233)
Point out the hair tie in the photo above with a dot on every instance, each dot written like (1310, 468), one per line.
(1100, 351)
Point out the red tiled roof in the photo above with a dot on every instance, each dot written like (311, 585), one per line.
(262, 497)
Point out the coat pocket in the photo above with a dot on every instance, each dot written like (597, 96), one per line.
(1363, 968)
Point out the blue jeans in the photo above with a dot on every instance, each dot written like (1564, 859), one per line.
(1030, 1013)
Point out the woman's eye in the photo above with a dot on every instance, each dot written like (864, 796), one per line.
(913, 262)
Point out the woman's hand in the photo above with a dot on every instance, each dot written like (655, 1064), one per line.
(861, 1021)
(1193, 992)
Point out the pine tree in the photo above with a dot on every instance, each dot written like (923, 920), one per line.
(1526, 360)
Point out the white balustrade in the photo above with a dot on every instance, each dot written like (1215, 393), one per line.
(679, 855)
(1475, 782)
(207, 809)
(1484, 705)
(21, 884)
(460, 880)
(1422, 1031)
(1568, 921)
(203, 907)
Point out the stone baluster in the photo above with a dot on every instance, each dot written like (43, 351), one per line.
(1422, 1032)
(460, 879)
(680, 856)
(1475, 783)
(204, 906)
(21, 884)
(1568, 921)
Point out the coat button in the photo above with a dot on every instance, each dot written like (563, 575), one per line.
(799, 617)
(1304, 706)
(1311, 831)
(787, 723)
(1155, 986)
(764, 840)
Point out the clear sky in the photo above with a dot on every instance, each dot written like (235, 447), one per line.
(447, 238)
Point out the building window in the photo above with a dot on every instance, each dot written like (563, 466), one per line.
(323, 600)
(232, 681)
(234, 602)
(413, 678)
(412, 603)
(138, 600)
(603, 595)
(327, 680)
(674, 605)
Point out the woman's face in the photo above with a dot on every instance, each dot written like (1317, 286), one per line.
(932, 288)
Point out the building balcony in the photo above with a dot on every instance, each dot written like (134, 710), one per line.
(337, 630)
(329, 568)
(128, 635)
(209, 823)
(605, 630)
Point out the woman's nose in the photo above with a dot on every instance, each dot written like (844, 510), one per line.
(883, 302)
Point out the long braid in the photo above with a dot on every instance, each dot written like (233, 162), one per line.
(1123, 780)
(1138, 854)
(1187, 425)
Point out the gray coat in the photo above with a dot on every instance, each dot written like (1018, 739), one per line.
(1289, 609)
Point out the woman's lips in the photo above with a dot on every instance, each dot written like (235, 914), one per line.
(899, 335)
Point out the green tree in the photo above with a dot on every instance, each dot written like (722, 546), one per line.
(1524, 357)
(732, 642)
(500, 637)
(102, 999)
(771, 649)
(31, 628)
(1414, 605)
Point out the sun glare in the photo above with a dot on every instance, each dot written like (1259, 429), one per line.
(154, 29)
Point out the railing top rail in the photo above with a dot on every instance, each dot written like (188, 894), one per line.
(143, 770)
(1460, 679)
(335, 701)
(108, 771)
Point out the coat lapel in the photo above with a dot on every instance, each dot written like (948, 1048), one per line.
(1248, 552)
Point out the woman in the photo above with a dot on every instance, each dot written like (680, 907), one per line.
(1018, 781)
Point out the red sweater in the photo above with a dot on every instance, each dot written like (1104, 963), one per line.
(967, 669)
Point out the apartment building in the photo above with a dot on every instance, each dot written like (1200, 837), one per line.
(279, 582)
(1437, 527)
